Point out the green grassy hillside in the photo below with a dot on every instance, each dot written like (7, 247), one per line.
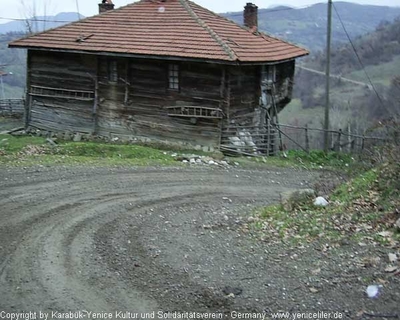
(379, 74)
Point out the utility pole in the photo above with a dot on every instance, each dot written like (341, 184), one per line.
(2, 85)
(328, 76)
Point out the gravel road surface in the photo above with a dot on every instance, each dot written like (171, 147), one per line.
(157, 239)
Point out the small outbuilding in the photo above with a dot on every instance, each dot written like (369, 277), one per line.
(166, 70)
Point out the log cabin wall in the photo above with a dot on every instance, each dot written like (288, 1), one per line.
(61, 91)
(255, 94)
(140, 103)
(284, 84)
(244, 94)
(132, 97)
(245, 91)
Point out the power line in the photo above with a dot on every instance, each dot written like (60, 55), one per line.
(34, 19)
(77, 9)
(359, 58)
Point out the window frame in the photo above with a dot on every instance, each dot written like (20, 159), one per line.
(268, 73)
(174, 77)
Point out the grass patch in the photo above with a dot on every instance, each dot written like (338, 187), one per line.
(27, 150)
(382, 73)
(314, 160)
(356, 188)
(361, 210)
(10, 144)
(318, 158)
(101, 150)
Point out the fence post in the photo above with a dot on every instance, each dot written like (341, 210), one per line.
(338, 147)
(268, 137)
(349, 138)
(307, 139)
(363, 143)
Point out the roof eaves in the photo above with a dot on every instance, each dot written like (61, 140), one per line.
(228, 50)
(134, 55)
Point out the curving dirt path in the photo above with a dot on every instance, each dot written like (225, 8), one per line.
(140, 240)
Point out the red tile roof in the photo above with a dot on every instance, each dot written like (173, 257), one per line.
(169, 28)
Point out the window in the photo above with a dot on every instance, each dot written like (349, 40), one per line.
(173, 76)
(268, 74)
(113, 71)
(271, 73)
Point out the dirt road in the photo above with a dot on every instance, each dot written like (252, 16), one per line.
(150, 239)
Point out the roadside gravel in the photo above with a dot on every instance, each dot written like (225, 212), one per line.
(170, 239)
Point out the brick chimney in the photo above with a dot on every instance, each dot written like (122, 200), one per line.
(250, 16)
(106, 5)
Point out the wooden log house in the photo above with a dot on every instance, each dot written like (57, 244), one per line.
(166, 70)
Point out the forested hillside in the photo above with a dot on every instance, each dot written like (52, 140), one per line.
(374, 48)
(307, 26)
(379, 53)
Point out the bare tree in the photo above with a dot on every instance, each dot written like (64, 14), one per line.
(29, 11)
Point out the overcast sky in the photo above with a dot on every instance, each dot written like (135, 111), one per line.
(13, 8)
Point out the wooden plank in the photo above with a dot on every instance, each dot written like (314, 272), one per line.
(28, 98)
(60, 89)
(96, 96)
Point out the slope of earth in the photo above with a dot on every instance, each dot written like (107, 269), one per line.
(171, 239)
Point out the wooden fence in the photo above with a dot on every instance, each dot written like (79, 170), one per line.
(248, 140)
(262, 141)
(12, 107)
(306, 139)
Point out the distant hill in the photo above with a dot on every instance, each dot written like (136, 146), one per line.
(307, 26)
(379, 52)
(374, 49)
(43, 23)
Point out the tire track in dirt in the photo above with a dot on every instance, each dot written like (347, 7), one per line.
(115, 239)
